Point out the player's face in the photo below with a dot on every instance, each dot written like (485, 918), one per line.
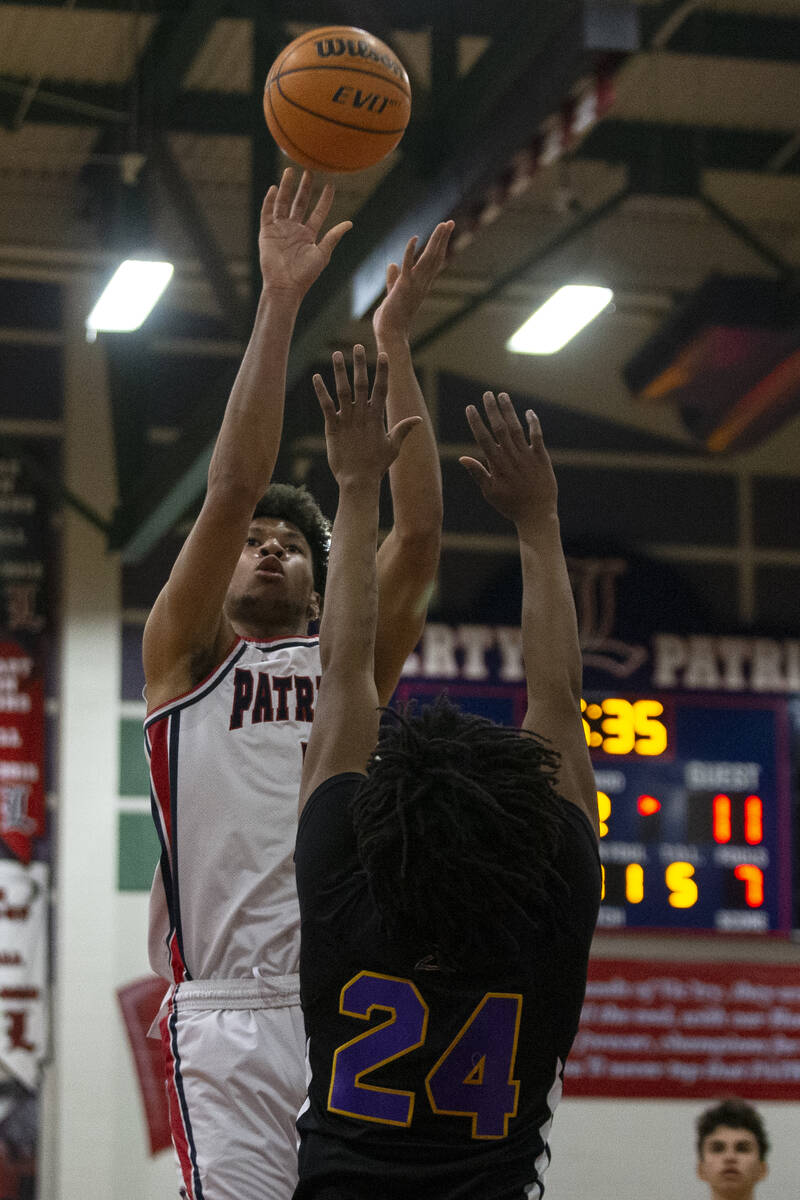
(272, 588)
(730, 1162)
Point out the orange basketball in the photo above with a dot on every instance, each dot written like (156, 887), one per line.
(337, 99)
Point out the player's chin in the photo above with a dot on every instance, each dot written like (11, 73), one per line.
(729, 1184)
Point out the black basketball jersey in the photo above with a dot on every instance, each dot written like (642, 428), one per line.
(425, 1083)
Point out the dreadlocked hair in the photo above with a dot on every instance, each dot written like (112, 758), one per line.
(298, 506)
(458, 824)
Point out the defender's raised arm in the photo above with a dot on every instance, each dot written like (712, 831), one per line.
(517, 479)
(409, 555)
(360, 451)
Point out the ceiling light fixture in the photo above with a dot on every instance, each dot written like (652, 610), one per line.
(559, 319)
(129, 297)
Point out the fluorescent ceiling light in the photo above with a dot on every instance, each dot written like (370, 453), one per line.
(129, 297)
(559, 319)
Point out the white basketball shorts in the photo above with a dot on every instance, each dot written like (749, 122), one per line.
(234, 1054)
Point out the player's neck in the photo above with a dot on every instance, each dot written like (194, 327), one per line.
(747, 1194)
(261, 631)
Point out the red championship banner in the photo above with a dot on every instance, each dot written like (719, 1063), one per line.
(22, 800)
(24, 1018)
(677, 1030)
(140, 1002)
(23, 629)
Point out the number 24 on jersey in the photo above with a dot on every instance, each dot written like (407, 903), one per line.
(473, 1078)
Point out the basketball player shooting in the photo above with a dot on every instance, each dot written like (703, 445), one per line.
(447, 867)
(232, 677)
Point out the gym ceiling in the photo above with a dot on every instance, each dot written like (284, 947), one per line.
(639, 145)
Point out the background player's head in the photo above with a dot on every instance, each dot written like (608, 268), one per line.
(298, 506)
(458, 823)
(732, 1147)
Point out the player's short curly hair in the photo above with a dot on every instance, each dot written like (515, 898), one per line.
(733, 1113)
(297, 505)
(458, 824)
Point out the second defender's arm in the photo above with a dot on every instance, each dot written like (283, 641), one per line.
(409, 556)
(346, 718)
(518, 481)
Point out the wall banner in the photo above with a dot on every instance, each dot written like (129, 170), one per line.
(26, 553)
(140, 1002)
(23, 629)
(23, 969)
(678, 1030)
(22, 798)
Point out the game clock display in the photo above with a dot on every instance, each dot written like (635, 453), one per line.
(693, 794)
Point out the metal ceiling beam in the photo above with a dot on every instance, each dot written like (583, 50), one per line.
(59, 494)
(235, 310)
(120, 6)
(143, 519)
(709, 147)
(727, 35)
(745, 234)
(669, 161)
(474, 17)
(59, 103)
(157, 78)
(163, 63)
(211, 113)
(268, 38)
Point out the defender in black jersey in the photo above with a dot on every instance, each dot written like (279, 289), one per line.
(447, 868)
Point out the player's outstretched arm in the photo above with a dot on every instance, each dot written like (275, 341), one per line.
(360, 451)
(187, 632)
(409, 556)
(517, 479)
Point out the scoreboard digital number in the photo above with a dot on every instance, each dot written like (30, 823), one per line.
(693, 795)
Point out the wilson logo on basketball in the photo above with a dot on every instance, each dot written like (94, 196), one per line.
(336, 47)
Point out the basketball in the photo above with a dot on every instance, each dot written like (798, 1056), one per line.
(337, 99)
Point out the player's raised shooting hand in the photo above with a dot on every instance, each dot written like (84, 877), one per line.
(516, 476)
(359, 447)
(290, 253)
(408, 285)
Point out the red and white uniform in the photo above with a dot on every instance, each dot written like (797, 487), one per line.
(225, 762)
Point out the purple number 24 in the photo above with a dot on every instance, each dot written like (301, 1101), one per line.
(473, 1078)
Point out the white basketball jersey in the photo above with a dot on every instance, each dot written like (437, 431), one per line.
(225, 762)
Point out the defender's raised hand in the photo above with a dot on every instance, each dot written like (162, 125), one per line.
(359, 447)
(408, 285)
(517, 477)
(290, 255)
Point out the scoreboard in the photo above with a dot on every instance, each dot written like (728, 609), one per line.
(694, 800)
(693, 796)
